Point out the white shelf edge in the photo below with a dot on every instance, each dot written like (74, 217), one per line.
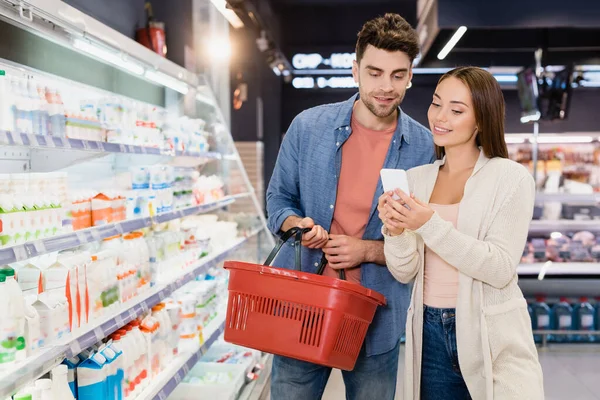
(51, 356)
(10, 138)
(24, 251)
(546, 226)
(556, 268)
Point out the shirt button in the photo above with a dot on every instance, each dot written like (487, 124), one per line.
(316, 264)
(347, 128)
(331, 206)
(337, 143)
(445, 315)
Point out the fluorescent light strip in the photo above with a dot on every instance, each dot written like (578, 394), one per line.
(229, 14)
(166, 80)
(108, 56)
(506, 78)
(510, 140)
(565, 139)
(452, 42)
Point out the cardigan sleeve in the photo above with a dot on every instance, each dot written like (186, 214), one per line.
(494, 259)
(401, 255)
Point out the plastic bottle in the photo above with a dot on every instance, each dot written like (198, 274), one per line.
(8, 328)
(72, 364)
(33, 330)
(541, 316)
(17, 310)
(24, 394)
(583, 315)
(562, 320)
(60, 383)
(45, 387)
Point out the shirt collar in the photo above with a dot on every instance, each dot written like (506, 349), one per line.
(344, 118)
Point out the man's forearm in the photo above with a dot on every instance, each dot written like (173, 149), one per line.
(290, 222)
(374, 251)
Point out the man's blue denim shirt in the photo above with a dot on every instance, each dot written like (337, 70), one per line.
(304, 183)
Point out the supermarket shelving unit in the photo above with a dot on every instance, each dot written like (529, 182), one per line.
(60, 23)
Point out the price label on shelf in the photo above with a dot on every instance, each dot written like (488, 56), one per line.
(132, 314)
(96, 235)
(75, 348)
(119, 320)
(99, 333)
(20, 253)
(40, 247)
(177, 378)
(144, 307)
(81, 237)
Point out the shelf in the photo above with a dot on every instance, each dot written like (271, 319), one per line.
(592, 198)
(255, 389)
(8, 138)
(70, 240)
(48, 358)
(166, 382)
(562, 269)
(544, 226)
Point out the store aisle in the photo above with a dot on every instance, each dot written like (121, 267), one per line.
(570, 372)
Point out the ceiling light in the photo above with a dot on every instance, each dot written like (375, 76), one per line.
(452, 42)
(166, 80)
(113, 58)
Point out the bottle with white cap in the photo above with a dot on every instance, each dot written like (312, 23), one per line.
(45, 387)
(60, 383)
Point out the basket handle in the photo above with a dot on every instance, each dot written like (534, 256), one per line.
(322, 265)
(297, 232)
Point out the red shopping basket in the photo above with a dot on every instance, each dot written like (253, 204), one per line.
(300, 315)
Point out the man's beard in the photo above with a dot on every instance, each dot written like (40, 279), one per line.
(381, 112)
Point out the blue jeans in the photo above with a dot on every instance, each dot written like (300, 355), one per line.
(441, 378)
(373, 378)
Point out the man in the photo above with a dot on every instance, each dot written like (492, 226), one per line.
(327, 179)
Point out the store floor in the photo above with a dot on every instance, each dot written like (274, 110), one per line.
(570, 372)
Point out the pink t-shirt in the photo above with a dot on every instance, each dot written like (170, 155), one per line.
(363, 156)
(440, 279)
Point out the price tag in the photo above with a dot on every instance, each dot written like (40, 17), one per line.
(122, 148)
(4, 137)
(20, 253)
(39, 246)
(132, 314)
(162, 396)
(161, 295)
(75, 348)
(99, 333)
(81, 237)
(186, 369)
(96, 235)
(177, 378)
(144, 307)
(119, 320)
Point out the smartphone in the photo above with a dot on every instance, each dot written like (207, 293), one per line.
(393, 179)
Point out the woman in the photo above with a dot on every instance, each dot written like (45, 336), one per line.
(460, 236)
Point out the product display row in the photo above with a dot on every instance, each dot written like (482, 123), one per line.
(128, 363)
(570, 321)
(41, 205)
(46, 298)
(32, 103)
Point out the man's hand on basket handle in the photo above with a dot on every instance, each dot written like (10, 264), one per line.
(316, 238)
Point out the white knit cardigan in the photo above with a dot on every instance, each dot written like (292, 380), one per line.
(496, 352)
